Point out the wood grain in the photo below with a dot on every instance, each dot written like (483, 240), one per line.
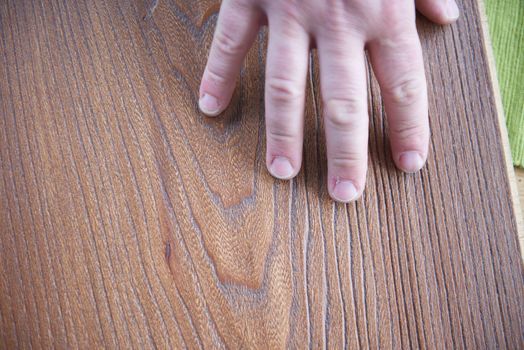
(129, 220)
(503, 132)
(520, 185)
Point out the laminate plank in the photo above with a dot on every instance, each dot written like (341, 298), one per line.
(519, 173)
(130, 220)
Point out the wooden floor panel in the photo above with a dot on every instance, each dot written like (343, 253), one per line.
(128, 219)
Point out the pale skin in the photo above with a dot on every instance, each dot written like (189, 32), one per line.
(341, 30)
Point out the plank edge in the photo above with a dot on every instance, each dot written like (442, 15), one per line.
(488, 50)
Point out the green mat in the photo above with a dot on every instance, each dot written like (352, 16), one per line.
(506, 26)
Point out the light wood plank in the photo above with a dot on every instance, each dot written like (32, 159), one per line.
(129, 220)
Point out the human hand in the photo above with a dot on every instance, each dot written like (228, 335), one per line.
(341, 31)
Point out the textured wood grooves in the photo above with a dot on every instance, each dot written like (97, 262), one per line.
(519, 175)
(517, 208)
(127, 219)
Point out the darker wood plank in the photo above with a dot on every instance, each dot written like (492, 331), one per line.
(129, 220)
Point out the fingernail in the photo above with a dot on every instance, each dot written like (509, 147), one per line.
(452, 11)
(281, 168)
(344, 191)
(208, 104)
(410, 161)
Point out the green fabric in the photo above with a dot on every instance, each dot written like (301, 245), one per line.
(506, 26)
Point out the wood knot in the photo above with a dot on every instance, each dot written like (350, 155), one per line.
(167, 251)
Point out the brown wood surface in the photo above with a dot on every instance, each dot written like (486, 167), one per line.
(127, 219)
(519, 173)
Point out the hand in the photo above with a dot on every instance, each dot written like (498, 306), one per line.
(341, 30)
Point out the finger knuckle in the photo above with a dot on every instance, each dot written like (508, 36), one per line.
(227, 44)
(348, 164)
(283, 90)
(333, 17)
(345, 113)
(292, 17)
(281, 137)
(411, 130)
(406, 92)
(401, 15)
(335, 26)
(217, 76)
